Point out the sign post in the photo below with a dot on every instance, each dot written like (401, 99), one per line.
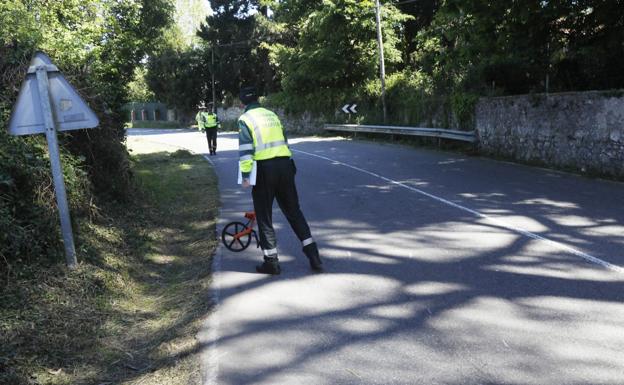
(46, 104)
(382, 68)
(349, 108)
(57, 170)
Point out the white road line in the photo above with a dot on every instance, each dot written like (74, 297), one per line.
(209, 160)
(497, 222)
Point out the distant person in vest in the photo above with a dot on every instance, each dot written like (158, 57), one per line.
(261, 140)
(209, 122)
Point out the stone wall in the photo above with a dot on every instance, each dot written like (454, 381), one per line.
(580, 131)
(305, 124)
(230, 113)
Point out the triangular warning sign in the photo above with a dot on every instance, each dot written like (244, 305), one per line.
(69, 111)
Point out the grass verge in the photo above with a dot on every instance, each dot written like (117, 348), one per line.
(154, 124)
(130, 312)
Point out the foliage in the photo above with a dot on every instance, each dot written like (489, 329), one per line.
(138, 89)
(335, 51)
(237, 34)
(96, 44)
(188, 17)
(232, 49)
(179, 71)
(421, 15)
(28, 219)
(409, 98)
(137, 299)
(177, 78)
(463, 105)
(520, 47)
(316, 55)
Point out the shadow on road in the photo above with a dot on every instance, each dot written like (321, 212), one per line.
(466, 301)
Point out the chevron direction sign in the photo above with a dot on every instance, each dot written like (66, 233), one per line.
(349, 108)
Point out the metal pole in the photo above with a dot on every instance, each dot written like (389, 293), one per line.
(548, 66)
(57, 170)
(382, 68)
(213, 81)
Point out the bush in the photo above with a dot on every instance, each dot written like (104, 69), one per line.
(29, 229)
(118, 38)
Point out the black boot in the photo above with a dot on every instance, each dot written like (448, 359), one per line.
(311, 251)
(269, 266)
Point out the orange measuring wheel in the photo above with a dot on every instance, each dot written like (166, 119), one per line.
(236, 236)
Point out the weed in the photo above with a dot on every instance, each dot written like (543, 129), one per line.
(131, 310)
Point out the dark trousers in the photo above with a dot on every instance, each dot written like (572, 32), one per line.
(211, 135)
(275, 180)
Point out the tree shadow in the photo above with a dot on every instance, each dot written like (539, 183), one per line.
(445, 297)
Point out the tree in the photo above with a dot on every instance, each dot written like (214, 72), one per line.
(585, 45)
(138, 89)
(335, 50)
(524, 46)
(188, 17)
(96, 44)
(231, 34)
(421, 14)
(178, 77)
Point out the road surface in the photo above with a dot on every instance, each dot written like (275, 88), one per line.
(440, 269)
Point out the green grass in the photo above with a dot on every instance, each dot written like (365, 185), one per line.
(130, 312)
(154, 124)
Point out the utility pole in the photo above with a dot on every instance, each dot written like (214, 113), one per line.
(212, 70)
(382, 69)
(214, 45)
(548, 66)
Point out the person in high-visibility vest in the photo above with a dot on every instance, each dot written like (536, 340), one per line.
(209, 122)
(261, 140)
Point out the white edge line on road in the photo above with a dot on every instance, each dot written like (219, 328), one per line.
(210, 372)
(495, 221)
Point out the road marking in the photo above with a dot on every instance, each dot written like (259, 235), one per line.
(209, 160)
(495, 221)
(213, 324)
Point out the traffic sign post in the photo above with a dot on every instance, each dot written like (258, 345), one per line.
(47, 103)
(349, 108)
(57, 170)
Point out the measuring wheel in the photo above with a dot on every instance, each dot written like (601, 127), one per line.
(236, 236)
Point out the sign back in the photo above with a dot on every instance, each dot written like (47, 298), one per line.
(69, 111)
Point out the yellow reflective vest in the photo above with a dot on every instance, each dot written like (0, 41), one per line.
(206, 120)
(266, 138)
(211, 120)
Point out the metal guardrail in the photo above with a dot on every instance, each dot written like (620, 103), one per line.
(466, 136)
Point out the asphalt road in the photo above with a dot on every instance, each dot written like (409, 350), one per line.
(441, 269)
